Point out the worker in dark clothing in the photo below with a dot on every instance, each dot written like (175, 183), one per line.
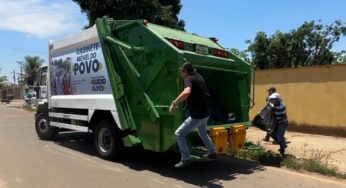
(196, 93)
(281, 120)
(270, 91)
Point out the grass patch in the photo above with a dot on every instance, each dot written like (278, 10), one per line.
(317, 162)
(29, 108)
(261, 155)
(312, 165)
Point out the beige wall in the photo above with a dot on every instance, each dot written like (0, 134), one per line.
(314, 96)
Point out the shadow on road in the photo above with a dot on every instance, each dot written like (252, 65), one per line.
(79, 141)
(204, 174)
(207, 174)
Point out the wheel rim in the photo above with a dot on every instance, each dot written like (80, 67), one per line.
(43, 126)
(105, 140)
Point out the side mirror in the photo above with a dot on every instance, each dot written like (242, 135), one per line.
(37, 90)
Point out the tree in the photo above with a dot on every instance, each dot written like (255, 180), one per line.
(31, 65)
(242, 54)
(340, 57)
(308, 45)
(3, 79)
(162, 12)
(259, 50)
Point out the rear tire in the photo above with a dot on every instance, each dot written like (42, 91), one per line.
(108, 141)
(43, 129)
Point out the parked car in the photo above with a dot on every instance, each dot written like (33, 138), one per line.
(10, 96)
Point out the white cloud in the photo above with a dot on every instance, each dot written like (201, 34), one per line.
(40, 18)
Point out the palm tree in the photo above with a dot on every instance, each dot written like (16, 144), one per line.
(2, 80)
(31, 65)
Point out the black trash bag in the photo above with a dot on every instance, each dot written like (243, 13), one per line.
(265, 120)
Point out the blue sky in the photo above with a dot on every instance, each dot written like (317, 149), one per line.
(27, 25)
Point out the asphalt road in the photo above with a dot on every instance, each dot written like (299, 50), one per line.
(71, 161)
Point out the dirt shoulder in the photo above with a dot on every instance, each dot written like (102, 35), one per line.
(328, 148)
(14, 104)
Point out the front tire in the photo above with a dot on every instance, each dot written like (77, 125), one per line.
(43, 129)
(108, 141)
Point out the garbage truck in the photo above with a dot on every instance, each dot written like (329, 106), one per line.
(118, 78)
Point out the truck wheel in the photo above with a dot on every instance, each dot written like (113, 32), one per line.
(43, 129)
(108, 141)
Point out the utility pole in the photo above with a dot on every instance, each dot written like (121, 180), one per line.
(21, 83)
(14, 83)
(14, 77)
(21, 74)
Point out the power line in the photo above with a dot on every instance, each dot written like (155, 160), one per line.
(9, 46)
(13, 58)
(23, 50)
(7, 54)
(15, 48)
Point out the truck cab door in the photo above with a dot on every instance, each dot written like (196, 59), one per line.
(41, 84)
